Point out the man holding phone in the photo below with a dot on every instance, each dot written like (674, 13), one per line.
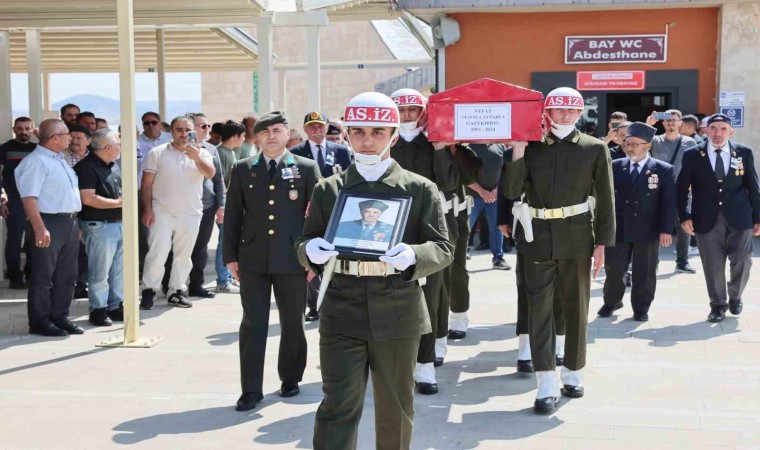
(172, 190)
(670, 147)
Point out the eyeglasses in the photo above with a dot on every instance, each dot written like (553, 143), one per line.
(632, 145)
(205, 126)
(150, 122)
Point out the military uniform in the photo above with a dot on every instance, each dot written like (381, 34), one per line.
(438, 166)
(374, 322)
(263, 217)
(558, 173)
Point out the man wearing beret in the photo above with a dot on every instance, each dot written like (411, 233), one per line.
(266, 204)
(329, 156)
(645, 208)
(725, 212)
(369, 227)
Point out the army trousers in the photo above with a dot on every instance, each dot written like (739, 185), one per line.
(572, 279)
(346, 363)
(290, 296)
(459, 233)
(523, 311)
(437, 300)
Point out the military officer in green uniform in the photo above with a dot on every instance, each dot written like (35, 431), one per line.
(373, 312)
(437, 163)
(266, 204)
(567, 217)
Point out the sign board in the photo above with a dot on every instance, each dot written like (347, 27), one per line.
(478, 121)
(630, 80)
(735, 113)
(635, 48)
(731, 98)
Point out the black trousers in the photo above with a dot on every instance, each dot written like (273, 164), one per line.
(290, 296)
(437, 302)
(644, 278)
(53, 270)
(16, 223)
(312, 292)
(82, 266)
(200, 253)
(142, 235)
(460, 279)
(523, 306)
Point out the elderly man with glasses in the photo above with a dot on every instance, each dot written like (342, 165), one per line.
(49, 191)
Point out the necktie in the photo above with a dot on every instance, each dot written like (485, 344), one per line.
(634, 172)
(272, 168)
(720, 170)
(320, 158)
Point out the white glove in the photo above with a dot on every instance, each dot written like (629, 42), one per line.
(400, 257)
(320, 251)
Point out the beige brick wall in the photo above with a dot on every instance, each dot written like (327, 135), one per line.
(230, 94)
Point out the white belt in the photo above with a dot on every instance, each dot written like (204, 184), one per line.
(364, 268)
(455, 204)
(524, 214)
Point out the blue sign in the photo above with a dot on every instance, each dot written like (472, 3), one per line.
(735, 113)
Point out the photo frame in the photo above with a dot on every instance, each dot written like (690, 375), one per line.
(364, 225)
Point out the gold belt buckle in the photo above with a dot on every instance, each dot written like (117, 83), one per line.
(556, 213)
(372, 269)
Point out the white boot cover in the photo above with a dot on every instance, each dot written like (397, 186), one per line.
(458, 321)
(571, 377)
(441, 347)
(560, 350)
(424, 373)
(523, 350)
(548, 384)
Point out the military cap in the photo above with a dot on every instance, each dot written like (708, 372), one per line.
(715, 118)
(269, 119)
(315, 117)
(81, 129)
(641, 131)
(377, 204)
(333, 129)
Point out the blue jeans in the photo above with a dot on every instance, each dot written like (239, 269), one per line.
(105, 258)
(496, 238)
(223, 275)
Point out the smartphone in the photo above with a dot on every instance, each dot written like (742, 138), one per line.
(662, 115)
(614, 125)
(192, 136)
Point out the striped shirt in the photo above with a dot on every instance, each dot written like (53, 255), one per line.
(46, 176)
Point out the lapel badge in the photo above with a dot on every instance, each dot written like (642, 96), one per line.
(253, 174)
(702, 153)
(293, 194)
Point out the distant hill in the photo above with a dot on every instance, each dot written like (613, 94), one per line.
(108, 108)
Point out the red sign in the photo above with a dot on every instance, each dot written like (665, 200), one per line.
(630, 80)
(643, 48)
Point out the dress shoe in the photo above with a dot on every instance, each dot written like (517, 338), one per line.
(99, 318)
(47, 329)
(717, 314)
(546, 405)
(68, 326)
(560, 361)
(735, 307)
(117, 315)
(607, 310)
(202, 293)
(289, 389)
(248, 401)
(17, 284)
(146, 302)
(573, 391)
(525, 366)
(685, 268)
(312, 315)
(427, 388)
(641, 317)
(438, 362)
(81, 292)
(455, 335)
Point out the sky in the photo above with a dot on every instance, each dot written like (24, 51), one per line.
(179, 86)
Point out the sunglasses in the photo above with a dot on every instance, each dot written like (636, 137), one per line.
(150, 122)
(205, 126)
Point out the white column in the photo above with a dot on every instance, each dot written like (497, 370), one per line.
(161, 58)
(126, 33)
(34, 70)
(283, 94)
(5, 89)
(312, 58)
(266, 72)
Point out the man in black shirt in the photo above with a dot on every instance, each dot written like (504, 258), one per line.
(11, 154)
(100, 221)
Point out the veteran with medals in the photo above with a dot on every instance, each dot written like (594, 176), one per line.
(373, 312)
(266, 204)
(567, 216)
(645, 208)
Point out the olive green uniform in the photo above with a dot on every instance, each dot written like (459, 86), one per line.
(373, 324)
(557, 173)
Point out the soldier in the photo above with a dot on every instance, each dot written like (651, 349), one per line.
(438, 163)
(645, 208)
(558, 176)
(266, 203)
(372, 324)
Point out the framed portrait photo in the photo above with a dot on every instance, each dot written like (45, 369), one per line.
(365, 225)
